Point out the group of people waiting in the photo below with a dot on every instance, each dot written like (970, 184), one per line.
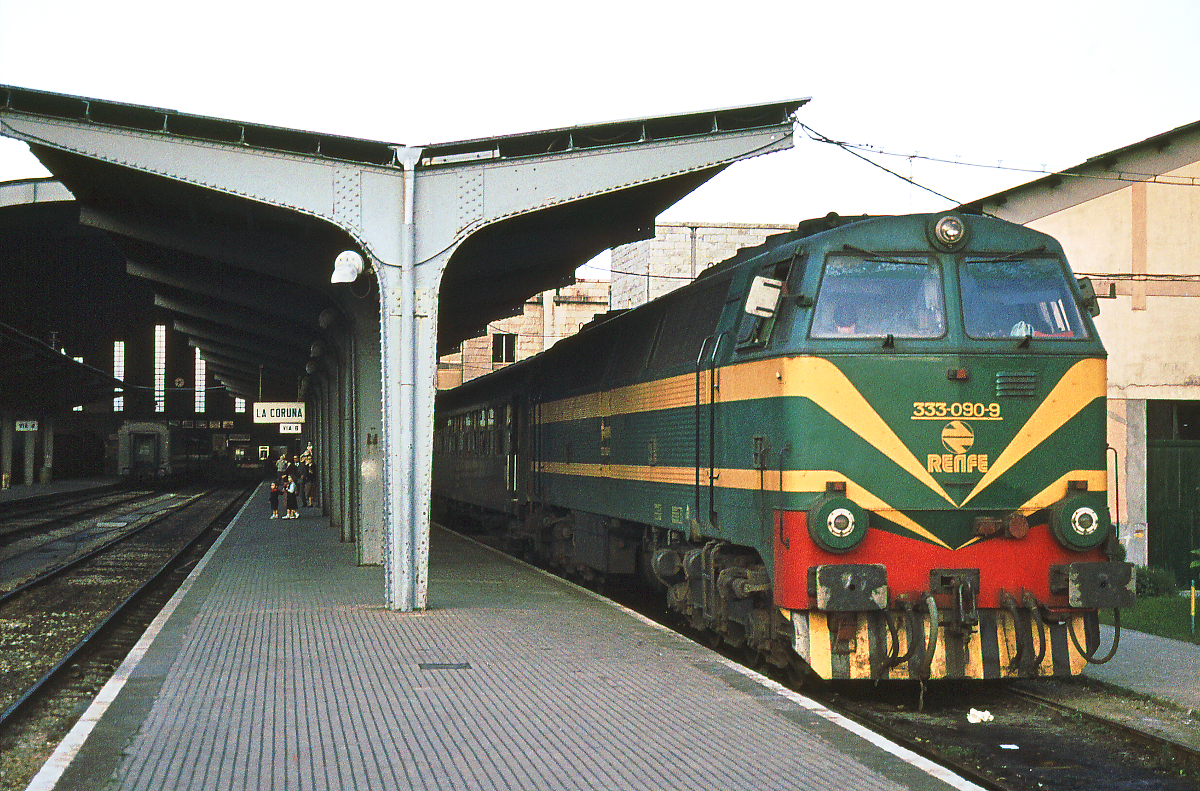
(292, 479)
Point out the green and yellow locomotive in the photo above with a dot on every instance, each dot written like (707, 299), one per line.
(870, 448)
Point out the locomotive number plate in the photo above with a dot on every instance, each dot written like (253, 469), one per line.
(940, 410)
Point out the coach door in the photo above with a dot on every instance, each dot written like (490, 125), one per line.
(145, 456)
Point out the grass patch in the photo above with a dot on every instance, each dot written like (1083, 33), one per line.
(1160, 615)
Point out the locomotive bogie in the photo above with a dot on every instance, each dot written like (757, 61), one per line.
(876, 451)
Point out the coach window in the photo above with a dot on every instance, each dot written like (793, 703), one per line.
(1015, 297)
(866, 295)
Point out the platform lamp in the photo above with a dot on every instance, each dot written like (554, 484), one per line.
(346, 267)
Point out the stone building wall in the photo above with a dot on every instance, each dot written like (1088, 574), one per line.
(548, 318)
(679, 251)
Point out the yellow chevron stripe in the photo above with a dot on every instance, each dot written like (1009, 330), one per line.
(1079, 386)
(826, 385)
(746, 480)
(813, 378)
(1097, 481)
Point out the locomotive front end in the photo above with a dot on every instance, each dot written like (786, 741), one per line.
(942, 506)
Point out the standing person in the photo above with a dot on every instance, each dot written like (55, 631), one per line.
(293, 469)
(281, 465)
(273, 498)
(309, 478)
(292, 513)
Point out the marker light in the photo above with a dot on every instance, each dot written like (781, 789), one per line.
(1084, 521)
(1080, 522)
(841, 522)
(836, 523)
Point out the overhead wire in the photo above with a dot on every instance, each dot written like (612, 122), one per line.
(1116, 175)
(850, 149)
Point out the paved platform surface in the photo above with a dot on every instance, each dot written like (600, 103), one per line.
(1165, 669)
(276, 667)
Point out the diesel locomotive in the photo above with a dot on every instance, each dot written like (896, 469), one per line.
(870, 448)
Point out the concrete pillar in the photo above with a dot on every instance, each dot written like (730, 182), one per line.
(8, 429)
(47, 427)
(1134, 485)
(30, 440)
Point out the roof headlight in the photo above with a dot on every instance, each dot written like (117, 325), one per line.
(948, 232)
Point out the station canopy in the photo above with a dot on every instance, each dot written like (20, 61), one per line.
(248, 279)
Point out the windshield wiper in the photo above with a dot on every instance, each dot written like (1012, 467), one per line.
(849, 248)
(1010, 256)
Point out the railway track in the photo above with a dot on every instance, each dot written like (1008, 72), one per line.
(49, 547)
(20, 519)
(1024, 735)
(67, 631)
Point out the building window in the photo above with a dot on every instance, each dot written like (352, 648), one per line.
(504, 347)
(160, 367)
(201, 380)
(80, 407)
(239, 405)
(1173, 420)
(119, 373)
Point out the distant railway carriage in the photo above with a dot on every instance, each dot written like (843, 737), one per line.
(869, 448)
(155, 451)
(144, 451)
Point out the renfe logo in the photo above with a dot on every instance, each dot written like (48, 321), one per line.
(279, 412)
(957, 437)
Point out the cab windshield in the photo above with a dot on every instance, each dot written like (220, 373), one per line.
(865, 295)
(1018, 297)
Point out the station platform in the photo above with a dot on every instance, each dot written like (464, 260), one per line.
(21, 491)
(276, 666)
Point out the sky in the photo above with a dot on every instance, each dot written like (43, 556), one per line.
(1002, 91)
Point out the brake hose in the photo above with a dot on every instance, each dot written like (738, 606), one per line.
(1090, 659)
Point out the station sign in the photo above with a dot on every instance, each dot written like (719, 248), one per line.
(27, 425)
(290, 428)
(279, 412)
